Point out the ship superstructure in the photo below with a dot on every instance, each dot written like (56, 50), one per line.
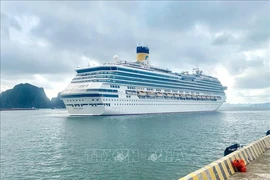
(122, 88)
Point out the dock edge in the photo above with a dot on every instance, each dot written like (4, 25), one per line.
(223, 168)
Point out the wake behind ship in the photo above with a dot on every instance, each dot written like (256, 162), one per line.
(122, 88)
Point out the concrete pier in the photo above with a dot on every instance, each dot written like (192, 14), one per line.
(257, 169)
(223, 168)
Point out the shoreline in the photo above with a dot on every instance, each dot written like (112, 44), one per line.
(17, 109)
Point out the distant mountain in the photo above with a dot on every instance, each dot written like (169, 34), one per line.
(56, 102)
(247, 105)
(24, 96)
(262, 105)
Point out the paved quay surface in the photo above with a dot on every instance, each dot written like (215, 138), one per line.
(258, 169)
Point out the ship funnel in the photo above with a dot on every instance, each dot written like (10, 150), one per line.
(142, 54)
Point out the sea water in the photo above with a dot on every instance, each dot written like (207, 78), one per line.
(50, 144)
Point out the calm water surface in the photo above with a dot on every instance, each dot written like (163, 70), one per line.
(49, 144)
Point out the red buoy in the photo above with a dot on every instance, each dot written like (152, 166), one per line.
(239, 164)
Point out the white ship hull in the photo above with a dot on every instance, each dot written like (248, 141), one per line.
(144, 107)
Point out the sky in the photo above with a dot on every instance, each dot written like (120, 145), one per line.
(43, 42)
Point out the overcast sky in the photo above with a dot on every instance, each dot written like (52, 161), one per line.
(43, 42)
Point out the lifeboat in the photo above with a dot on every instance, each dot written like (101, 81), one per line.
(159, 94)
(151, 94)
(141, 93)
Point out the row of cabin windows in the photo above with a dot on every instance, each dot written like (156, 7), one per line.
(72, 100)
(91, 77)
(164, 100)
(148, 80)
(134, 100)
(81, 105)
(93, 73)
(211, 83)
(201, 89)
(187, 99)
(100, 70)
(185, 85)
(178, 98)
(146, 104)
(114, 86)
(108, 104)
(166, 90)
(164, 77)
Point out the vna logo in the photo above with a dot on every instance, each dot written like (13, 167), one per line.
(146, 57)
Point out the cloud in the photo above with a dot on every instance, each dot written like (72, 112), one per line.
(53, 38)
(219, 15)
(227, 38)
(238, 63)
(254, 78)
(29, 59)
(7, 22)
(255, 96)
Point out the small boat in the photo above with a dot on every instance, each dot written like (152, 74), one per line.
(231, 149)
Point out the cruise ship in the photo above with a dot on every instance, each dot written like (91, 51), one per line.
(124, 88)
